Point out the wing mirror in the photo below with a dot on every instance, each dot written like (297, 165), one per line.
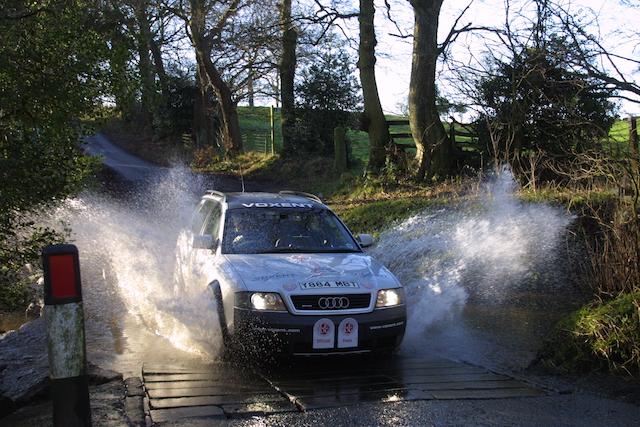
(204, 241)
(365, 240)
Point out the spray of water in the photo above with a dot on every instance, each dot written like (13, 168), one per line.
(128, 250)
(484, 248)
(443, 256)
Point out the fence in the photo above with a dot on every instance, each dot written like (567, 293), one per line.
(463, 136)
(260, 131)
(633, 144)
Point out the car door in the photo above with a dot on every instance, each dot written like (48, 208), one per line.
(203, 260)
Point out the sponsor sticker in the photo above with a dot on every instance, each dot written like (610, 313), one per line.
(324, 334)
(289, 287)
(273, 276)
(348, 333)
(277, 205)
(324, 284)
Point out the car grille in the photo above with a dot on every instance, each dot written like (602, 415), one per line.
(331, 302)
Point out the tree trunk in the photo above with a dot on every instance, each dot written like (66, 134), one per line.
(287, 76)
(435, 152)
(231, 136)
(374, 116)
(340, 150)
(250, 90)
(230, 129)
(205, 132)
(156, 53)
(143, 36)
(199, 129)
(123, 86)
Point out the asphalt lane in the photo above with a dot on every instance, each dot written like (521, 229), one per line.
(138, 173)
(130, 167)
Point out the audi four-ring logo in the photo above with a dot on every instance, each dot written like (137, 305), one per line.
(333, 303)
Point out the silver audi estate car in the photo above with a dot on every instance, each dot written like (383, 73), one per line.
(288, 276)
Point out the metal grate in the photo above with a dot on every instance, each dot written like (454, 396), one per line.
(312, 302)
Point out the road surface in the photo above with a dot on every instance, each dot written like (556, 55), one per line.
(138, 172)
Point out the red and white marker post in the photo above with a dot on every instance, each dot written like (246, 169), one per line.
(64, 318)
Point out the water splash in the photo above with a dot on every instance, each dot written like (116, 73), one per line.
(485, 249)
(128, 256)
(444, 256)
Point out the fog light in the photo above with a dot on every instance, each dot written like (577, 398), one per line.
(267, 301)
(390, 297)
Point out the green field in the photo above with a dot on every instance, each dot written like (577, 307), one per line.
(255, 125)
(618, 143)
(256, 132)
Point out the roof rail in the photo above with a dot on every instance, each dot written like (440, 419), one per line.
(301, 193)
(215, 193)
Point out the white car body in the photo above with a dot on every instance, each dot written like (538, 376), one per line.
(330, 300)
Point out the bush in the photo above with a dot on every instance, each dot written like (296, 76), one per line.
(204, 158)
(328, 95)
(16, 251)
(600, 336)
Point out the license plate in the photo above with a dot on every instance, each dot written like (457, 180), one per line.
(305, 286)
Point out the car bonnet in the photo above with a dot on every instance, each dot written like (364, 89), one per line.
(286, 273)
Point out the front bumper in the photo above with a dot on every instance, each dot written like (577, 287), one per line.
(379, 330)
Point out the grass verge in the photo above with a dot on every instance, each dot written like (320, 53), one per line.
(374, 216)
(602, 336)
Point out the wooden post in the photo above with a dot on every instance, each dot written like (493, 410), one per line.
(452, 138)
(273, 131)
(633, 145)
(340, 148)
(452, 132)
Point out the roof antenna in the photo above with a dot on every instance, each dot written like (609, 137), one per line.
(241, 176)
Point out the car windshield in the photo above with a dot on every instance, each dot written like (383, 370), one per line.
(264, 230)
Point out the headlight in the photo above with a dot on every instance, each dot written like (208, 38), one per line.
(267, 301)
(390, 297)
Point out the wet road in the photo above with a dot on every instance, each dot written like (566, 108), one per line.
(139, 173)
(130, 167)
(422, 386)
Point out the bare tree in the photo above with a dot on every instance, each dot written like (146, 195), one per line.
(590, 52)
(436, 154)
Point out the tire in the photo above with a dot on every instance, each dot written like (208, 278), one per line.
(227, 341)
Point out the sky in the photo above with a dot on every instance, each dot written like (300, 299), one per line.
(394, 54)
